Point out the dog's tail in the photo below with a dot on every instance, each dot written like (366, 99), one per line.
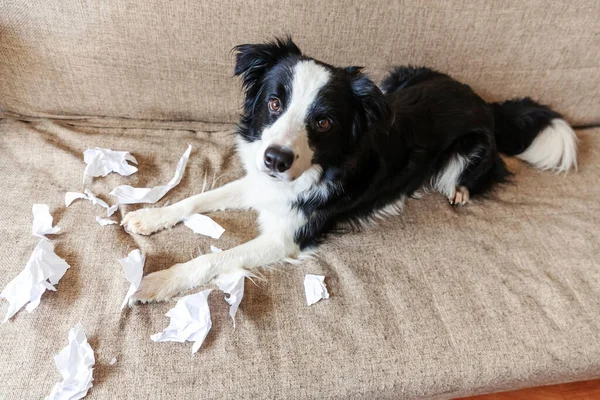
(536, 134)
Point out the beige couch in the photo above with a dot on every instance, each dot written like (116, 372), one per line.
(437, 303)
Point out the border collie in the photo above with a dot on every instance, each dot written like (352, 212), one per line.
(325, 147)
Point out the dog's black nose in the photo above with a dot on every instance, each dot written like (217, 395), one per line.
(278, 159)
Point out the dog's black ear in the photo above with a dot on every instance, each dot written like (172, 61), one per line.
(253, 60)
(374, 108)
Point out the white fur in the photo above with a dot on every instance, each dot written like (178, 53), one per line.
(289, 131)
(555, 148)
(446, 180)
(279, 222)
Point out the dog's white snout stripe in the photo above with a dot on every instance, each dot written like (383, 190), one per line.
(289, 131)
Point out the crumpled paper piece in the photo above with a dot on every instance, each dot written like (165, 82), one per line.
(101, 162)
(43, 270)
(133, 265)
(75, 363)
(314, 288)
(190, 321)
(105, 221)
(70, 197)
(233, 285)
(215, 249)
(42, 221)
(130, 195)
(204, 225)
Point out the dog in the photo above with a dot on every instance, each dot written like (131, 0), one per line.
(324, 147)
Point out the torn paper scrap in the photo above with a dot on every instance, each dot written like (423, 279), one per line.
(314, 288)
(101, 162)
(70, 197)
(75, 363)
(105, 221)
(42, 221)
(190, 321)
(43, 270)
(133, 265)
(130, 195)
(113, 361)
(215, 249)
(233, 285)
(204, 225)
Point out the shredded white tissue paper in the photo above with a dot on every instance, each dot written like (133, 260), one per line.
(130, 195)
(113, 361)
(233, 285)
(75, 363)
(70, 197)
(105, 221)
(101, 162)
(190, 321)
(42, 221)
(215, 249)
(314, 288)
(133, 265)
(43, 270)
(204, 225)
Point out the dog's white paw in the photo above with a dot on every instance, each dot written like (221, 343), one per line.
(460, 196)
(155, 287)
(149, 220)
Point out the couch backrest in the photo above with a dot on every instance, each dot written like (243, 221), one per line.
(171, 60)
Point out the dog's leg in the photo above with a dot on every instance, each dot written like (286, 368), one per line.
(261, 251)
(149, 220)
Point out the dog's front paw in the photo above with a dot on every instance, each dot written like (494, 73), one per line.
(149, 220)
(460, 197)
(155, 287)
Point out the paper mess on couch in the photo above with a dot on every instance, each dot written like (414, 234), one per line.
(101, 162)
(190, 321)
(133, 265)
(233, 285)
(314, 288)
(43, 270)
(75, 362)
(130, 195)
(70, 197)
(42, 221)
(204, 225)
(105, 221)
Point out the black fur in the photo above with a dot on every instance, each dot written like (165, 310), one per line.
(384, 146)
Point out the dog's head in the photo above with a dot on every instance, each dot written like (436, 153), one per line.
(299, 112)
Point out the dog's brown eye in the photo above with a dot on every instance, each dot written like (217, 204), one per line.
(274, 105)
(324, 124)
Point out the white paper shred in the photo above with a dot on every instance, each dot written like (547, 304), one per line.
(42, 221)
(190, 321)
(113, 361)
(133, 265)
(314, 288)
(204, 225)
(215, 249)
(70, 197)
(75, 363)
(130, 195)
(233, 285)
(101, 162)
(105, 221)
(43, 270)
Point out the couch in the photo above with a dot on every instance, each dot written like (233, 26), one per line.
(438, 303)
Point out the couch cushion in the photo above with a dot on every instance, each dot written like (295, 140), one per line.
(171, 60)
(439, 302)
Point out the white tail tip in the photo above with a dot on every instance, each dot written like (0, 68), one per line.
(555, 148)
